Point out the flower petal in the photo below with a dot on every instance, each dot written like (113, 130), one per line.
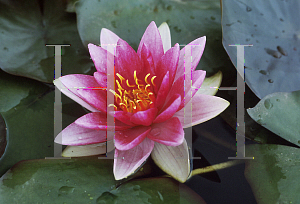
(147, 60)
(165, 34)
(211, 84)
(168, 62)
(170, 108)
(99, 57)
(152, 39)
(88, 150)
(162, 92)
(98, 121)
(95, 96)
(144, 117)
(204, 107)
(126, 162)
(168, 133)
(108, 38)
(122, 116)
(198, 77)
(197, 49)
(127, 139)
(101, 79)
(173, 160)
(127, 61)
(73, 95)
(76, 135)
(178, 87)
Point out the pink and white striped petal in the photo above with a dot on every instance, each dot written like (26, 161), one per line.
(76, 135)
(127, 139)
(204, 108)
(195, 52)
(169, 133)
(98, 121)
(76, 97)
(127, 162)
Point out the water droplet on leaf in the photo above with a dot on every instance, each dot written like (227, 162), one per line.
(106, 198)
(65, 190)
(268, 104)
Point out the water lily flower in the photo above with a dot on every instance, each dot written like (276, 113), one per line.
(149, 101)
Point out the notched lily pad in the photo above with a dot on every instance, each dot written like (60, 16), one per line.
(26, 27)
(272, 27)
(85, 180)
(280, 113)
(274, 173)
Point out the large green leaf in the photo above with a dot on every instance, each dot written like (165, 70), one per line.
(85, 180)
(280, 113)
(27, 26)
(272, 27)
(188, 20)
(274, 173)
(27, 107)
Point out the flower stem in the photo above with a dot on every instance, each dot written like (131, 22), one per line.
(215, 167)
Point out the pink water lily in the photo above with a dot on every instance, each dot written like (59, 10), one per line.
(149, 101)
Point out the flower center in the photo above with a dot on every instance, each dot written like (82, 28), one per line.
(137, 97)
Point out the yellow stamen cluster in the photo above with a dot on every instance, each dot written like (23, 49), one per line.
(136, 97)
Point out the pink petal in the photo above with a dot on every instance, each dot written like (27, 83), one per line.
(98, 121)
(122, 116)
(72, 95)
(197, 49)
(127, 61)
(169, 109)
(198, 77)
(173, 160)
(127, 139)
(168, 133)
(178, 87)
(144, 117)
(162, 92)
(108, 38)
(204, 107)
(95, 96)
(147, 60)
(77, 83)
(126, 162)
(168, 62)
(152, 39)
(99, 57)
(101, 79)
(76, 135)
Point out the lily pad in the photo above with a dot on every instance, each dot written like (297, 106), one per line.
(272, 27)
(27, 26)
(274, 173)
(280, 113)
(85, 180)
(27, 107)
(187, 20)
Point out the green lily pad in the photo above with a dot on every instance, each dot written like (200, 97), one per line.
(187, 20)
(274, 174)
(85, 180)
(27, 26)
(280, 113)
(272, 27)
(27, 107)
